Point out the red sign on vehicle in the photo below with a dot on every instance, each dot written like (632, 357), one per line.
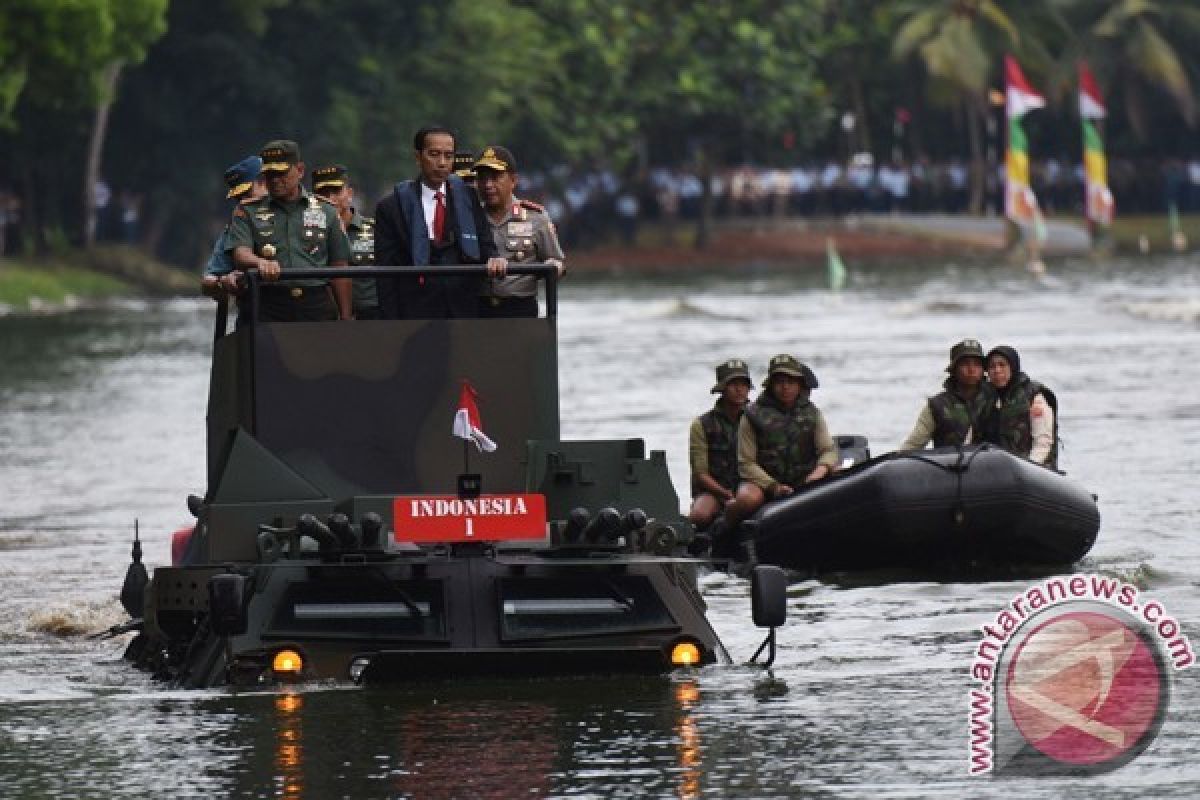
(487, 518)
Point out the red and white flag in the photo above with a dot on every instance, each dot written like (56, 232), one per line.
(1020, 98)
(1091, 102)
(466, 420)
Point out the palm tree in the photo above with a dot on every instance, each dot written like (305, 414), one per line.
(1128, 44)
(958, 42)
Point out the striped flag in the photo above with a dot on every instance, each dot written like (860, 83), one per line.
(1099, 200)
(467, 424)
(1020, 204)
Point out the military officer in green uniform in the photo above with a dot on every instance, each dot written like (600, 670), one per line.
(712, 444)
(522, 235)
(291, 229)
(333, 184)
(960, 413)
(783, 440)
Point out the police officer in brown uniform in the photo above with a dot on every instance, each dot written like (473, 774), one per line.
(291, 229)
(522, 235)
(712, 444)
(333, 184)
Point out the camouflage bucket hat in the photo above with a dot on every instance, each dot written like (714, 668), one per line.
(784, 364)
(967, 348)
(732, 369)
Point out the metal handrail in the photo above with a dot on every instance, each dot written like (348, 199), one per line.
(542, 271)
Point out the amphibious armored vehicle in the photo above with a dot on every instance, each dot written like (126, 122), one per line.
(346, 534)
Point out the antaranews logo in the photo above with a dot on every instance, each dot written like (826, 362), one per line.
(1072, 677)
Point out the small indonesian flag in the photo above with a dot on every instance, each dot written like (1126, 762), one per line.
(1019, 95)
(466, 420)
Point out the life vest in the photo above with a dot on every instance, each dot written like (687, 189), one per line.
(953, 416)
(408, 195)
(721, 435)
(787, 448)
(1011, 426)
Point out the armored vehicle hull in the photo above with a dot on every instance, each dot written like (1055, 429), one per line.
(345, 534)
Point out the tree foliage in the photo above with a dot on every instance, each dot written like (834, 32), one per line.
(619, 84)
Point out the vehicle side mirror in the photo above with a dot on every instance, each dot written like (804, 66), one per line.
(768, 596)
(768, 603)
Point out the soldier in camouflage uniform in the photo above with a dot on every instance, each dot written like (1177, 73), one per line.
(961, 413)
(332, 183)
(783, 440)
(291, 229)
(712, 444)
(1026, 412)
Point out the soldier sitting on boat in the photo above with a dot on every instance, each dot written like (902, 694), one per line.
(712, 444)
(960, 413)
(1025, 412)
(783, 440)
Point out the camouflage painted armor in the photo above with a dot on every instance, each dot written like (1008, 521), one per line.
(722, 447)
(954, 416)
(1010, 425)
(786, 441)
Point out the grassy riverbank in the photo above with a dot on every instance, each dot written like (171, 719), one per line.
(27, 286)
(76, 277)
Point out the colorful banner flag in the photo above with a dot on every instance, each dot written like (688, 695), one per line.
(1099, 204)
(1020, 204)
(467, 424)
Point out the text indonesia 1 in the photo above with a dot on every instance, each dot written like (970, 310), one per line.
(489, 517)
(1072, 677)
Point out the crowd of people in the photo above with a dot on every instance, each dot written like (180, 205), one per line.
(743, 454)
(596, 205)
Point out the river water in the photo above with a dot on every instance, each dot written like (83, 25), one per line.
(101, 422)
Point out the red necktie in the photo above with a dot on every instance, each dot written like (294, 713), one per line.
(439, 216)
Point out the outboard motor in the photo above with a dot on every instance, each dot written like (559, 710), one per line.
(133, 592)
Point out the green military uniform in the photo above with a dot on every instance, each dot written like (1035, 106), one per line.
(713, 439)
(1021, 423)
(712, 449)
(360, 231)
(300, 234)
(780, 445)
(949, 418)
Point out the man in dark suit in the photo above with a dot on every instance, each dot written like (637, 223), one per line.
(435, 219)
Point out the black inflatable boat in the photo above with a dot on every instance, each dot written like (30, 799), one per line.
(930, 509)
